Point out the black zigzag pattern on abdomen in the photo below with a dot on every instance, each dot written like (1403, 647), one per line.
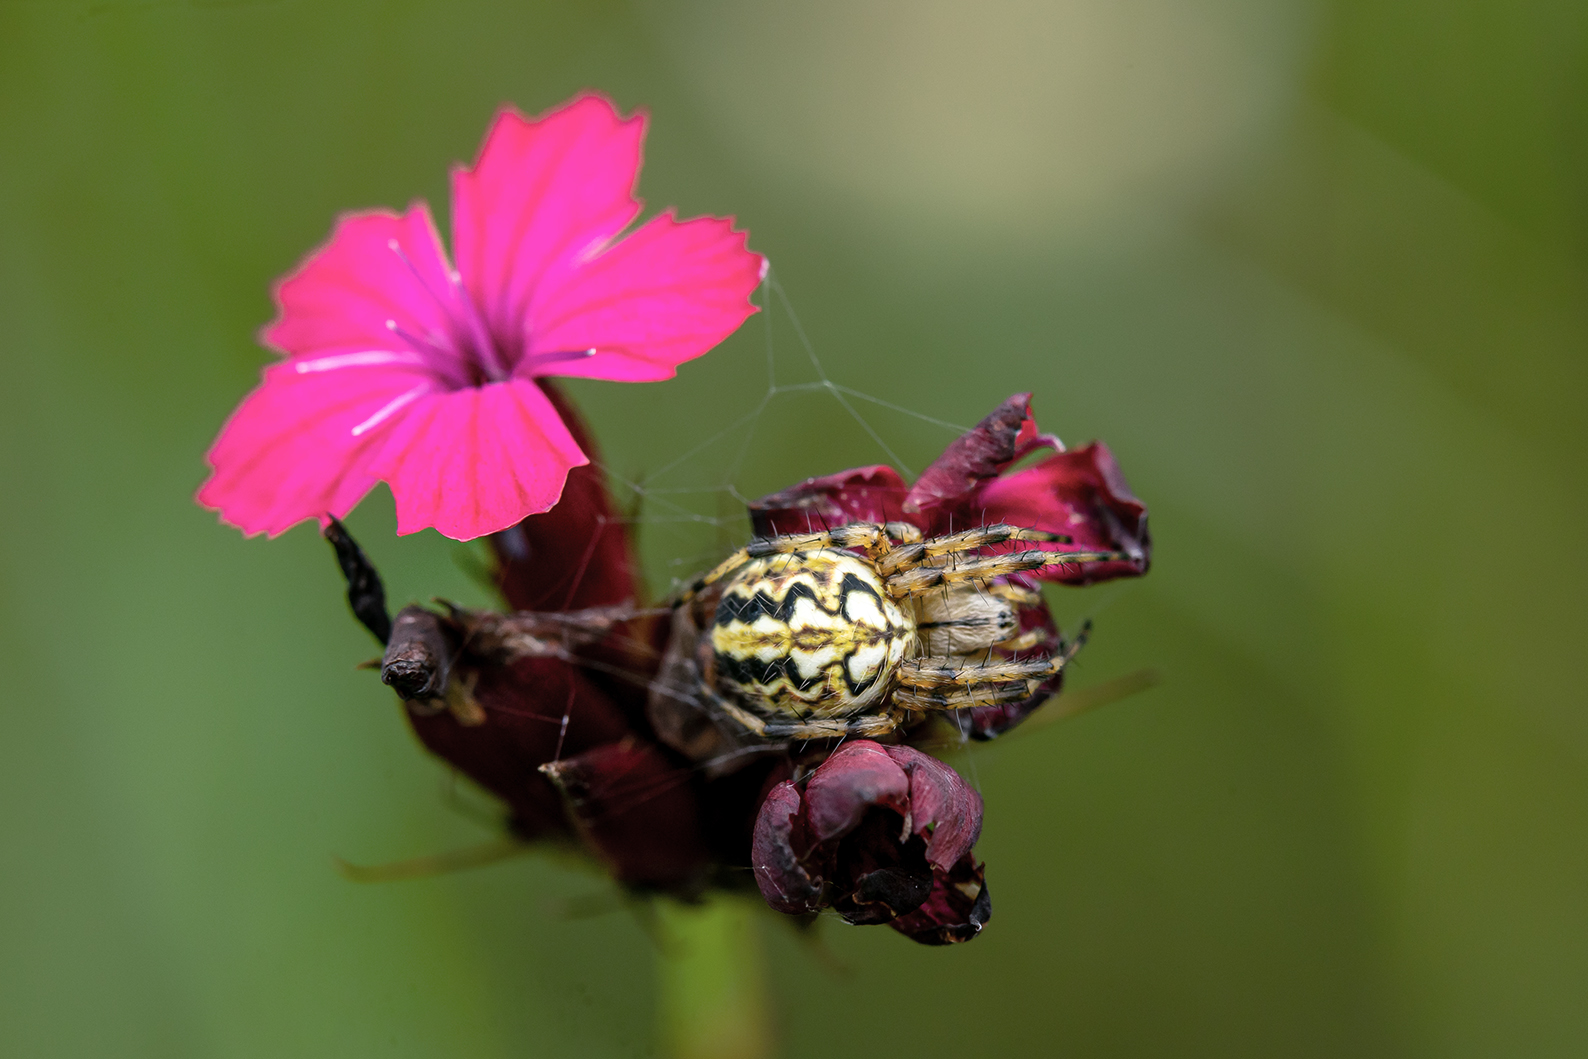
(736, 607)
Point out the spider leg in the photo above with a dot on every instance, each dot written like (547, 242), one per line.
(1025, 641)
(964, 698)
(1020, 597)
(915, 552)
(985, 568)
(929, 672)
(864, 726)
(869, 536)
(712, 576)
(904, 532)
(926, 674)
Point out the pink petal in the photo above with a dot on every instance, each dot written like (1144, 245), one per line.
(290, 451)
(477, 460)
(342, 295)
(543, 192)
(663, 295)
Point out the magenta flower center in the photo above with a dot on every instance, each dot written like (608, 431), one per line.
(470, 353)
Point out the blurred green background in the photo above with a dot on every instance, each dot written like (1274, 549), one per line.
(1315, 271)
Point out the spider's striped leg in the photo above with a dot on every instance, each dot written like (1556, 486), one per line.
(904, 532)
(986, 567)
(1023, 641)
(963, 698)
(712, 576)
(864, 726)
(925, 676)
(914, 553)
(1020, 597)
(866, 535)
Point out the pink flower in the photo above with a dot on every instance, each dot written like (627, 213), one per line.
(404, 369)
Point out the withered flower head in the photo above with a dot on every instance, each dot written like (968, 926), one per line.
(883, 835)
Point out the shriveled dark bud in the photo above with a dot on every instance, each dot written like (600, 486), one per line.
(365, 594)
(418, 657)
(882, 834)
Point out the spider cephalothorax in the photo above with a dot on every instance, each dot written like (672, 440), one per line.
(853, 630)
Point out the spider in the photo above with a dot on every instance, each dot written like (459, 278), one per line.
(855, 631)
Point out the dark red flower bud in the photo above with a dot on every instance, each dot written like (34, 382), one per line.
(578, 556)
(878, 833)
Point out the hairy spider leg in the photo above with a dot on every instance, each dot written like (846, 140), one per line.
(905, 532)
(985, 568)
(919, 700)
(940, 684)
(915, 553)
(869, 536)
(1019, 596)
(1025, 641)
(865, 726)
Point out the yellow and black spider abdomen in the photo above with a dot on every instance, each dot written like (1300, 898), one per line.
(808, 635)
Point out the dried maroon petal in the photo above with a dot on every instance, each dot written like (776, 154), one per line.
(869, 834)
(780, 843)
(865, 494)
(1082, 494)
(980, 453)
(637, 811)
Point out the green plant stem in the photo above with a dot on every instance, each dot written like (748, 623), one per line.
(711, 982)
